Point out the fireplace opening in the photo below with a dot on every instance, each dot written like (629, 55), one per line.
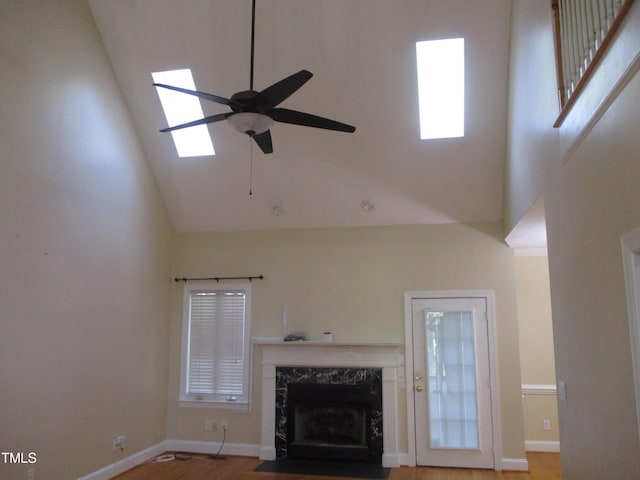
(330, 421)
(321, 424)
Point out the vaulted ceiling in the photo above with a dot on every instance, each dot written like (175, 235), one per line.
(362, 55)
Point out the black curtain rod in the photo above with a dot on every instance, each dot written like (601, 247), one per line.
(217, 279)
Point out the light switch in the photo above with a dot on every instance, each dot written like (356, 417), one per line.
(562, 391)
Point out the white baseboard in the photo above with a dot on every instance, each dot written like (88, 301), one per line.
(515, 464)
(390, 460)
(127, 463)
(267, 453)
(542, 446)
(240, 449)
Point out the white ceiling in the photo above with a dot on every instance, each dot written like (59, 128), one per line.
(362, 55)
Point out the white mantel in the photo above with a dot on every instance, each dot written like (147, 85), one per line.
(387, 356)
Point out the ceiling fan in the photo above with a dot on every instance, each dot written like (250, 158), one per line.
(253, 112)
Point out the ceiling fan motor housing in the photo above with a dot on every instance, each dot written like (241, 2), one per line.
(244, 101)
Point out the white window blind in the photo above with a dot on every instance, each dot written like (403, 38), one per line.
(215, 361)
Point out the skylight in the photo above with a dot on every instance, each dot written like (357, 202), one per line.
(441, 88)
(181, 108)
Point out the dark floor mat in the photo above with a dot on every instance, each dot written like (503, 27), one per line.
(330, 469)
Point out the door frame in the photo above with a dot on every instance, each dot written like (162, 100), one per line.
(630, 243)
(488, 296)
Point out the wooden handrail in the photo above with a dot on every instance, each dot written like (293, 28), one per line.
(567, 103)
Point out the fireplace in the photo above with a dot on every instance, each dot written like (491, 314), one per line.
(329, 413)
(375, 364)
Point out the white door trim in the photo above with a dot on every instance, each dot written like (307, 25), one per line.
(630, 256)
(488, 295)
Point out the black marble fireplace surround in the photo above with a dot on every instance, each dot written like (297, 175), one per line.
(341, 409)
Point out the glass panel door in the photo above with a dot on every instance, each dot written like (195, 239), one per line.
(453, 405)
(451, 384)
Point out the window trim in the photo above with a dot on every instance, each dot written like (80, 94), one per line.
(243, 403)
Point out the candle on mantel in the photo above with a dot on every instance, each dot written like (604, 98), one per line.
(284, 322)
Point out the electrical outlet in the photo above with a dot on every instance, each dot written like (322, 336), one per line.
(546, 424)
(208, 425)
(31, 474)
(119, 443)
(224, 424)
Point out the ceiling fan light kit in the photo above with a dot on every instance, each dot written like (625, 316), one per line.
(254, 112)
(250, 123)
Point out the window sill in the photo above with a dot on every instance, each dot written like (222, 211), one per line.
(237, 407)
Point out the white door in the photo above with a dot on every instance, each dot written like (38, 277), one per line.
(451, 385)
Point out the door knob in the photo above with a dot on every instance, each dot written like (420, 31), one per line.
(419, 388)
(418, 377)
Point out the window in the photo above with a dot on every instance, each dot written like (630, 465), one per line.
(182, 108)
(215, 345)
(441, 88)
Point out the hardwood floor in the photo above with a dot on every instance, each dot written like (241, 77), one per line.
(542, 466)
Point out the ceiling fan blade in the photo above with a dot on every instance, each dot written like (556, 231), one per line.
(264, 141)
(204, 95)
(202, 121)
(279, 91)
(285, 115)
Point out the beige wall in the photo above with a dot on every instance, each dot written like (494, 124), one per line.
(537, 364)
(594, 202)
(590, 200)
(350, 281)
(85, 251)
(534, 321)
